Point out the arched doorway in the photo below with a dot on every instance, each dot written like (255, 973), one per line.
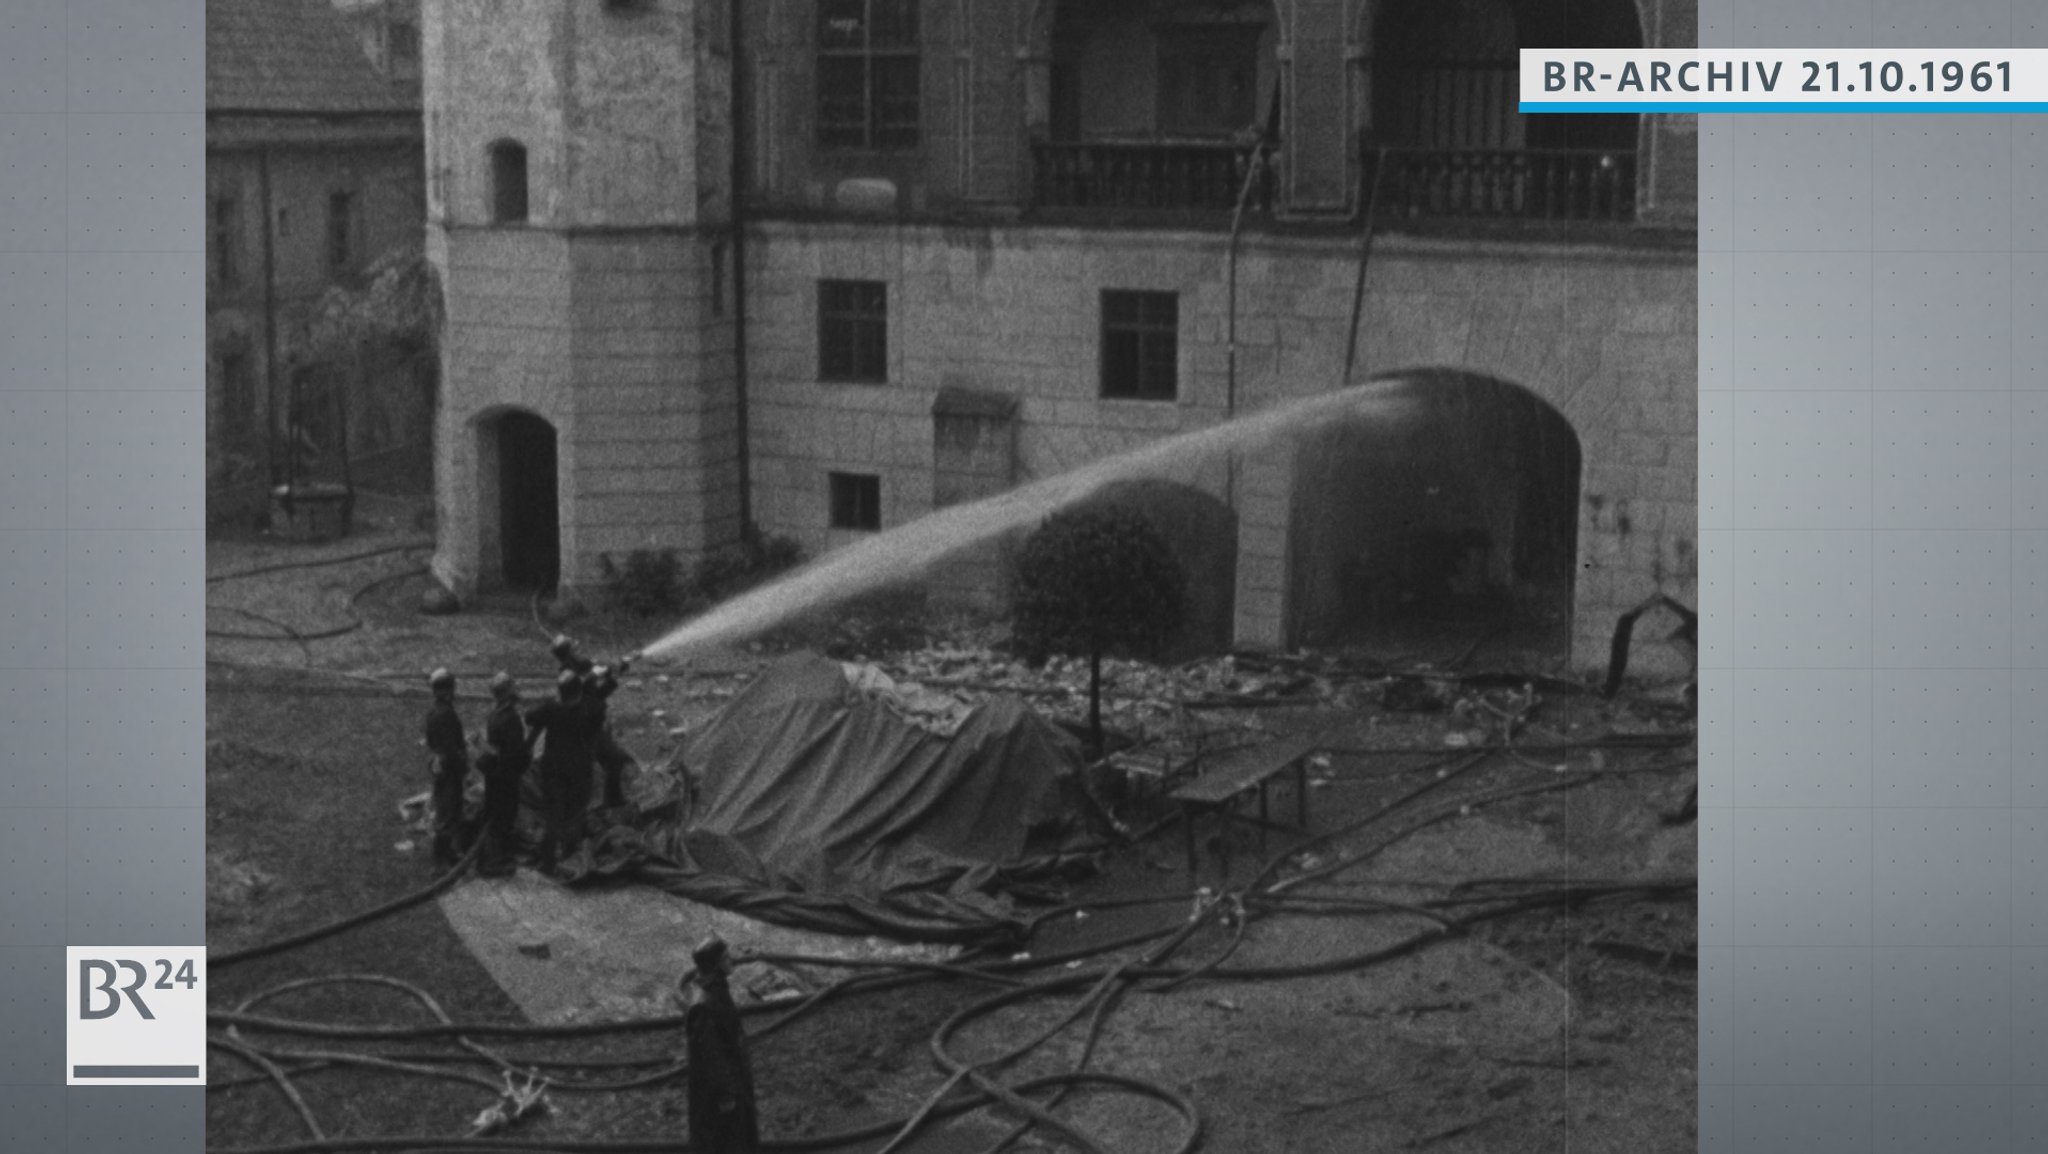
(1454, 527)
(1201, 532)
(528, 505)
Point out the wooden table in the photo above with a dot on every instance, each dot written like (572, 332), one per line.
(1229, 778)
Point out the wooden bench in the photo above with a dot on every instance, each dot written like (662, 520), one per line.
(1225, 780)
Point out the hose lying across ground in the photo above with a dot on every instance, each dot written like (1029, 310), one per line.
(968, 1085)
(302, 637)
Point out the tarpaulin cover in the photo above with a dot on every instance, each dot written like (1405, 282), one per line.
(819, 806)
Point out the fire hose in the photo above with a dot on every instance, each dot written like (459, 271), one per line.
(1105, 985)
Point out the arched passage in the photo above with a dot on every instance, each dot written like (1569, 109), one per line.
(1201, 531)
(1457, 522)
(519, 501)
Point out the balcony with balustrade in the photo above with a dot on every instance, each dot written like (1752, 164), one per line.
(1158, 109)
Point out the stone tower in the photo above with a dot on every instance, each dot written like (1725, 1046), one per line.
(578, 161)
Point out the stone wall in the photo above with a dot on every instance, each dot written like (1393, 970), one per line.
(606, 312)
(385, 181)
(1603, 334)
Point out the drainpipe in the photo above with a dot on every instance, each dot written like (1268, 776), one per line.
(1372, 200)
(737, 197)
(269, 314)
(1251, 176)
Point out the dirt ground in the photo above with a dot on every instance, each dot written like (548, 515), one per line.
(1563, 1029)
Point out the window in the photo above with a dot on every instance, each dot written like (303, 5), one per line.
(856, 501)
(868, 75)
(341, 232)
(227, 242)
(853, 331)
(508, 182)
(1140, 345)
(237, 396)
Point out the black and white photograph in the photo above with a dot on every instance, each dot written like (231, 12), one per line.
(947, 577)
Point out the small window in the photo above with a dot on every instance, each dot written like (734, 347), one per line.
(237, 396)
(853, 331)
(868, 75)
(856, 501)
(341, 232)
(227, 242)
(1140, 345)
(508, 182)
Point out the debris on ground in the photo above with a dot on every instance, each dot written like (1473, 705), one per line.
(515, 1105)
(1463, 1045)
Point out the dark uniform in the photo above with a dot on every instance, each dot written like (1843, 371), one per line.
(450, 748)
(723, 1117)
(564, 765)
(503, 764)
(609, 755)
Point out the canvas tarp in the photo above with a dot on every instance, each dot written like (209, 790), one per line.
(822, 806)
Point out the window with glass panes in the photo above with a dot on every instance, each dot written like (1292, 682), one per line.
(1140, 345)
(868, 79)
(853, 331)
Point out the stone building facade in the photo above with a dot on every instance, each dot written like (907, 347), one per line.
(984, 241)
(314, 170)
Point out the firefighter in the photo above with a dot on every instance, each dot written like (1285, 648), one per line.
(723, 1118)
(450, 749)
(503, 764)
(564, 765)
(598, 685)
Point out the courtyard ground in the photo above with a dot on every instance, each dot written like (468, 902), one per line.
(1562, 1027)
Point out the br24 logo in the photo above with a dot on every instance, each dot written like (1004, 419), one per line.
(106, 972)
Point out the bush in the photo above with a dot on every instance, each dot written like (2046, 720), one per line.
(733, 570)
(650, 582)
(647, 583)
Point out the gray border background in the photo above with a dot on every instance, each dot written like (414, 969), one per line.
(1874, 526)
(102, 550)
(1874, 532)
